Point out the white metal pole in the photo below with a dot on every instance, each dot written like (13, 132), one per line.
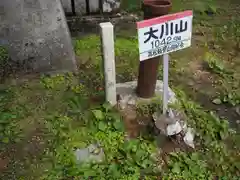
(165, 83)
(107, 37)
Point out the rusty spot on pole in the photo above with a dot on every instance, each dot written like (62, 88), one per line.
(148, 69)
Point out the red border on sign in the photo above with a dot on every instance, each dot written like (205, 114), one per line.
(162, 19)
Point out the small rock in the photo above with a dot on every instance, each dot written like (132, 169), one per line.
(217, 101)
(189, 138)
(124, 100)
(173, 129)
(162, 121)
(131, 101)
(92, 153)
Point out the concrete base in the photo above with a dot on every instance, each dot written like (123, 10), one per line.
(127, 93)
(172, 124)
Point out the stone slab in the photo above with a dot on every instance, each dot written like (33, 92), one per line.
(37, 35)
(92, 153)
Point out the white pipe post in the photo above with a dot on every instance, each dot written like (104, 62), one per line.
(165, 83)
(107, 37)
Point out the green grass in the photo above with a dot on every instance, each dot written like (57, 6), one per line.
(69, 122)
(43, 120)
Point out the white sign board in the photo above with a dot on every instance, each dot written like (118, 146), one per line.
(164, 34)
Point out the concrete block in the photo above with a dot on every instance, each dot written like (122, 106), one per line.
(37, 35)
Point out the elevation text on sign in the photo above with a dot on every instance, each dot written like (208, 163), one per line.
(164, 34)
